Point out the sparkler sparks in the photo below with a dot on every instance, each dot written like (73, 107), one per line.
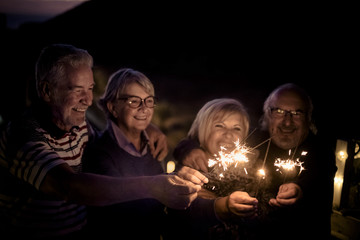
(234, 160)
(261, 173)
(230, 170)
(289, 165)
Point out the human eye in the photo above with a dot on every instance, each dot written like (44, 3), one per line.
(218, 125)
(238, 129)
(133, 100)
(77, 90)
(150, 100)
(297, 113)
(279, 111)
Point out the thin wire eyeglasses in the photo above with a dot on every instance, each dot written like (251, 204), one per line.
(280, 113)
(135, 101)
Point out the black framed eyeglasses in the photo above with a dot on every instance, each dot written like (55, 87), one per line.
(135, 101)
(279, 113)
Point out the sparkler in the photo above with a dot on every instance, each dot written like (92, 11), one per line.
(261, 171)
(236, 159)
(286, 166)
(229, 169)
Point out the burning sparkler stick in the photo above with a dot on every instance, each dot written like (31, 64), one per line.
(261, 171)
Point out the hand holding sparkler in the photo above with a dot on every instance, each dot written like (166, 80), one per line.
(172, 191)
(236, 206)
(289, 166)
(288, 194)
(192, 175)
(242, 205)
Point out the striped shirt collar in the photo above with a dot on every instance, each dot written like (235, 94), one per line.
(43, 116)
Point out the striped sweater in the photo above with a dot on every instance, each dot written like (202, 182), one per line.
(28, 150)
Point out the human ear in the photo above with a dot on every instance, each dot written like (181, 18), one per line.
(111, 108)
(45, 91)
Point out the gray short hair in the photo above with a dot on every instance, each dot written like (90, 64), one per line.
(54, 60)
(117, 83)
(288, 87)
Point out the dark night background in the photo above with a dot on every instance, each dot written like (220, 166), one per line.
(197, 52)
(193, 54)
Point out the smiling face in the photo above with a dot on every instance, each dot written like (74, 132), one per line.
(131, 120)
(288, 131)
(225, 132)
(71, 97)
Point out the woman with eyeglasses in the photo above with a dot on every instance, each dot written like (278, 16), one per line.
(122, 150)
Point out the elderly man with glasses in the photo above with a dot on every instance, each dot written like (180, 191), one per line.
(302, 203)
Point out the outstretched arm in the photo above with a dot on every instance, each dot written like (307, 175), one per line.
(99, 190)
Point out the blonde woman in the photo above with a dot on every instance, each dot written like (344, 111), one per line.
(219, 123)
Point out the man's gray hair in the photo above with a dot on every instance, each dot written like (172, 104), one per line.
(288, 87)
(53, 61)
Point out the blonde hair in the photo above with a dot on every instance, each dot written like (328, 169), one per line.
(213, 110)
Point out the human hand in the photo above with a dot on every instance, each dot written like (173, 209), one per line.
(196, 159)
(157, 142)
(288, 194)
(192, 175)
(173, 191)
(238, 204)
(241, 204)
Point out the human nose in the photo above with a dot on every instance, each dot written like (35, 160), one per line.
(142, 107)
(142, 104)
(228, 133)
(288, 118)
